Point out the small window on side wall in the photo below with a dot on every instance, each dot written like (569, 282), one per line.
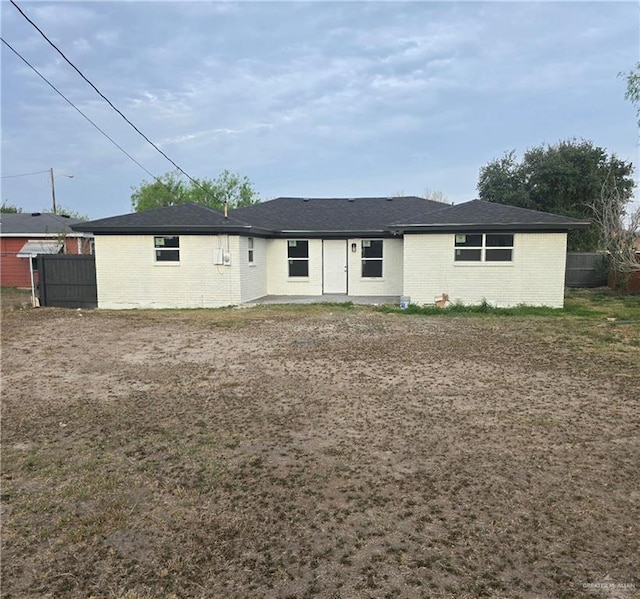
(372, 258)
(167, 248)
(250, 250)
(298, 257)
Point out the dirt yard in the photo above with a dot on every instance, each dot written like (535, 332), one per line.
(318, 451)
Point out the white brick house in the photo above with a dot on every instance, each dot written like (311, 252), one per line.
(190, 256)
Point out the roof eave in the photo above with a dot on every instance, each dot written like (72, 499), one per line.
(52, 235)
(181, 230)
(515, 227)
(334, 234)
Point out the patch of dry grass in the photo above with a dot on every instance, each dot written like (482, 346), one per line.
(14, 297)
(317, 451)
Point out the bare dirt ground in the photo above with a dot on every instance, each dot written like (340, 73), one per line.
(330, 452)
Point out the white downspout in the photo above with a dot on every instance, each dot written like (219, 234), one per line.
(33, 287)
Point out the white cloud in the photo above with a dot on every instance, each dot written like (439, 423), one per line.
(212, 134)
(81, 45)
(56, 72)
(407, 83)
(64, 15)
(107, 37)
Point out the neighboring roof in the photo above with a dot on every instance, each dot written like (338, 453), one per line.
(36, 223)
(182, 218)
(32, 248)
(334, 215)
(326, 217)
(478, 214)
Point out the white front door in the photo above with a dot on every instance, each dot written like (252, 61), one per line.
(334, 266)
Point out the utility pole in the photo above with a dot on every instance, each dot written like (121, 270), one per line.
(53, 192)
(53, 189)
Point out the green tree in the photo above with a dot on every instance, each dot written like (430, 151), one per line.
(170, 189)
(9, 208)
(62, 211)
(566, 178)
(502, 181)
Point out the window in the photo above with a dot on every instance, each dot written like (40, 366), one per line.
(250, 249)
(499, 248)
(371, 258)
(484, 247)
(298, 254)
(468, 248)
(167, 248)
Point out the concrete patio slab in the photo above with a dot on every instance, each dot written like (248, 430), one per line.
(371, 300)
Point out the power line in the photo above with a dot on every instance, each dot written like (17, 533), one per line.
(24, 174)
(194, 181)
(115, 143)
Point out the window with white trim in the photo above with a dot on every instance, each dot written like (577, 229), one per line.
(298, 256)
(250, 250)
(167, 248)
(371, 258)
(483, 247)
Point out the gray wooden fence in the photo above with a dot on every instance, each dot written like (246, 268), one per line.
(67, 281)
(585, 270)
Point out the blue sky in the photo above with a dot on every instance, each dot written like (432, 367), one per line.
(307, 98)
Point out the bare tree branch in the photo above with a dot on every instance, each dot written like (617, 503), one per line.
(617, 237)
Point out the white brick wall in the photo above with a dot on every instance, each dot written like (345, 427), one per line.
(278, 280)
(128, 276)
(392, 261)
(534, 277)
(253, 276)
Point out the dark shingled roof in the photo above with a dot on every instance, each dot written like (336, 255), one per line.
(183, 218)
(478, 214)
(327, 217)
(36, 223)
(334, 215)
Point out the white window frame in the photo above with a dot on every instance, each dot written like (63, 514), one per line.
(483, 248)
(367, 243)
(294, 243)
(160, 248)
(250, 250)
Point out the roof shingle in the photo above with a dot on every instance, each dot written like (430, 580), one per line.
(181, 217)
(482, 214)
(334, 217)
(36, 223)
(334, 214)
